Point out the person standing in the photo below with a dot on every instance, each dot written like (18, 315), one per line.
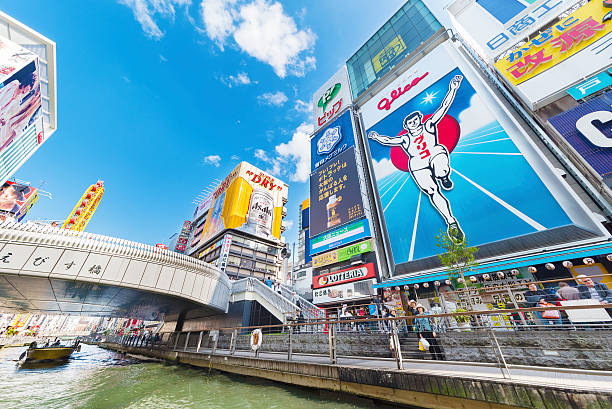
(568, 292)
(590, 289)
(423, 328)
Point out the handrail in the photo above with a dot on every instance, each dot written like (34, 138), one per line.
(12, 231)
(252, 284)
(308, 309)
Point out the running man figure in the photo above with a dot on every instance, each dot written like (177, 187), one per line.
(428, 159)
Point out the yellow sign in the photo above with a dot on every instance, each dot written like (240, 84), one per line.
(557, 43)
(388, 54)
(325, 259)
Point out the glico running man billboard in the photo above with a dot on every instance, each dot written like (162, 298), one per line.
(444, 163)
(248, 200)
(21, 127)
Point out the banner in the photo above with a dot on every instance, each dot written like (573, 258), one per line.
(443, 164)
(248, 200)
(16, 200)
(587, 129)
(335, 194)
(344, 292)
(343, 254)
(344, 276)
(332, 140)
(339, 237)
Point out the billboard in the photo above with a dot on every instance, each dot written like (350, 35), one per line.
(332, 140)
(588, 130)
(575, 48)
(331, 98)
(344, 292)
(443, 163)
(335, 194)
(339, 237)
(16, 200)
(183, 238)
(492, 26)
(344, 276)
(343, 254)
(21, 127)
(248, 200)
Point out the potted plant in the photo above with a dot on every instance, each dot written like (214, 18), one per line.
(463, 321)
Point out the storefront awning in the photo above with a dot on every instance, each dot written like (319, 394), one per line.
(535, 259)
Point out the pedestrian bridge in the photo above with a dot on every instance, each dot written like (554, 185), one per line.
(45, 269)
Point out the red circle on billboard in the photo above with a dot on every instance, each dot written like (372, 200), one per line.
(449, 133)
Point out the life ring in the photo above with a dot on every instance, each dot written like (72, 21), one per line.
(256, 339)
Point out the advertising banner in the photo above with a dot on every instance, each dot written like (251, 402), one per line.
(331, 98)
(336, 238)
(344, 292)
(248, 200)
(492, 26)
(21, 128)
(344, 276)
(343, 254)
(183, 238)
(16, 200)
(588, 130)
(225, 248)
(332, 140)
(335, 194)
(443, 164)
(575, 48)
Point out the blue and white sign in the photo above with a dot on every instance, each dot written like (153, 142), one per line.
(332, 140)
(592, 85)
(588, 129)
(346, 234)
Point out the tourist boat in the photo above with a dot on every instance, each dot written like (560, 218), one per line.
(52, 353)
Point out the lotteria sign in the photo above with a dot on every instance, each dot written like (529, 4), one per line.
(331, 98)
(344, 276)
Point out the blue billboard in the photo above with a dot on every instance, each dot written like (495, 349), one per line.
(444, 164)
(587, 128)
(339, 237)
(332, 140)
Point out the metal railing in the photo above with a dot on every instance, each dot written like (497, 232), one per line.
(308, 309)
(495, 338)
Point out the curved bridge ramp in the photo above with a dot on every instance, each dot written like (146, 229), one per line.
(45, 269)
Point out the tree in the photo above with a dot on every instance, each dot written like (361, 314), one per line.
(458, 257)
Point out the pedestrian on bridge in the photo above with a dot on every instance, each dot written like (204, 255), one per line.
(423, 328)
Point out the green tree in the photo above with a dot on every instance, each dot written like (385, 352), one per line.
(458, 257)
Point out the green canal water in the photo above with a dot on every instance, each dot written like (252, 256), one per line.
(96, 378)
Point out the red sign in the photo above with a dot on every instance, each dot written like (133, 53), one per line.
(344, 276)
(161, 246)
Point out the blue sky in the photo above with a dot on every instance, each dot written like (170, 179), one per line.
(159, 97)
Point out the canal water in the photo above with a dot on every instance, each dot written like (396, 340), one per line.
(97, 378)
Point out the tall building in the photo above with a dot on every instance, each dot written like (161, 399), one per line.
(28, 76)
(238, 226)
(427, 144)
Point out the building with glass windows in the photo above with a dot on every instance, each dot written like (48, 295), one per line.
(402, 34)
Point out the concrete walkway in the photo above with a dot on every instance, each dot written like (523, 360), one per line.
(596, 381)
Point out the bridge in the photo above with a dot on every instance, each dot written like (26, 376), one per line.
(49, 270)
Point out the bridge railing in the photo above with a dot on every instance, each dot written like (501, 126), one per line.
(496, 339)
(308, 309)
(47, 234)
(284, 305)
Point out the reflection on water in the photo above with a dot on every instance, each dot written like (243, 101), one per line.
(96, 378)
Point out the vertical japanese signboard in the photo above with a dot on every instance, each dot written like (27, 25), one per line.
(331, 99)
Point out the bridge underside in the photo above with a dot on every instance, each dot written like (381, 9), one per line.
(56, 296)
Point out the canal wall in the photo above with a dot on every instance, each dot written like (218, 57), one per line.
(400, 387)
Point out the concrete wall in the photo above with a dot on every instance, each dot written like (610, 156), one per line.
(568, 349)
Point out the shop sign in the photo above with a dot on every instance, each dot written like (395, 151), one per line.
(341, 236)
(389, 53)
(222, 260)
(558, 43)
(588, 129)
(332, 140)
(344, 276)
(343, 254)
(331, 98)
(592, 85)
(335, 194)
(344, 292)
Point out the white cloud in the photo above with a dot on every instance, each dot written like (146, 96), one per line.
(383, 168)
(218, 16)
(162, 58)
(235, 157)
(288, 223)
(296, 154)
(261, 155)
(145, 12)
(277, 98)
(302, 106)
(242, 78)
(214, 160)
(475, 116)
(266, 33)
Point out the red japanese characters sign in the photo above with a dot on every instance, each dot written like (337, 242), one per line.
(557, 43)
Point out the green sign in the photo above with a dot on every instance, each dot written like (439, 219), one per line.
(350, 251)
